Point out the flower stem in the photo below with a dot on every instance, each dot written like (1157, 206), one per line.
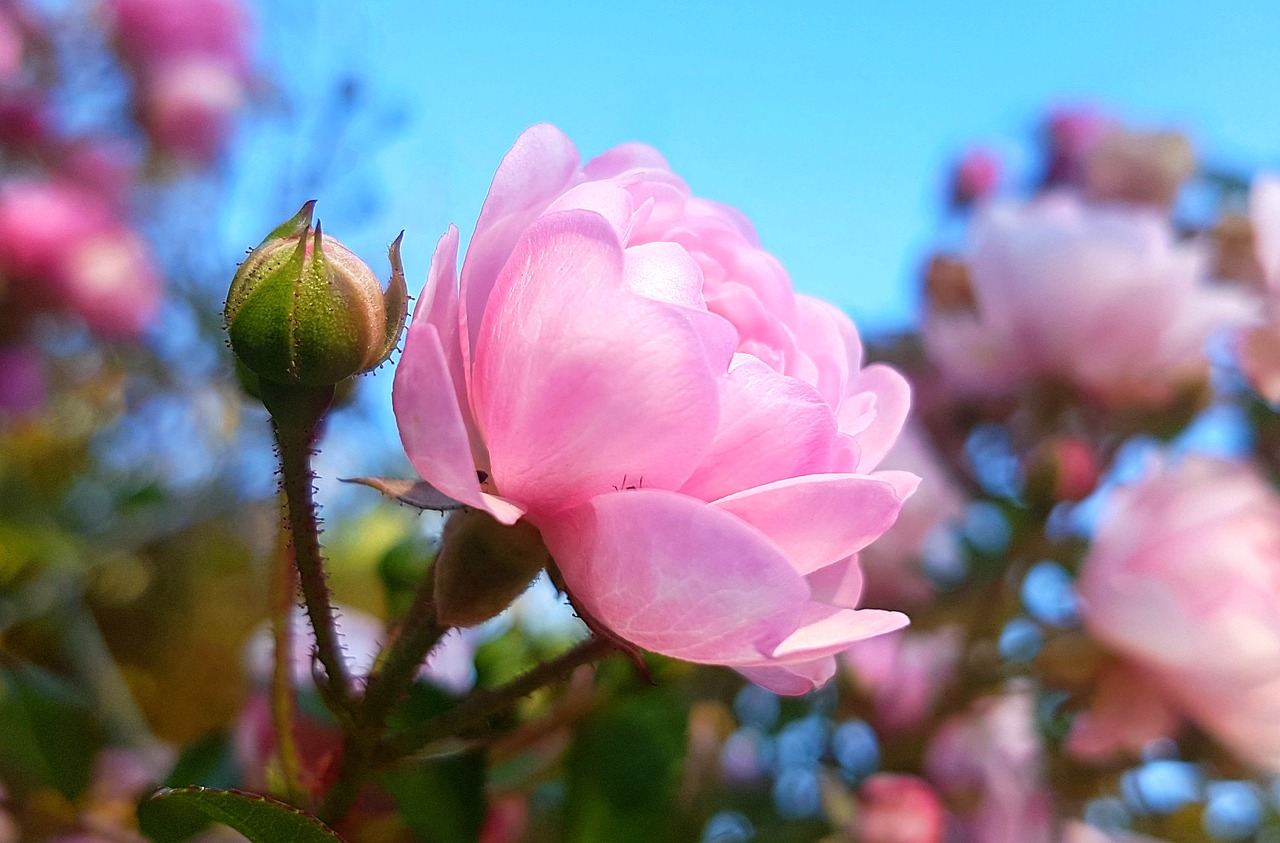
(284, 588)
(481, 706)
(295, 418)
(396, 668)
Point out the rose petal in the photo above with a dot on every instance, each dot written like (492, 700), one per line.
(792, 680)
(893, 401)
(838, 584)
(771, 427)
(673, 575)
(541, 165)
(827, 630)
(581, 386)
(819, 519)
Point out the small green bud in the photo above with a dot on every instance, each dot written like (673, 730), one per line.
(483, 565)
(304, 310)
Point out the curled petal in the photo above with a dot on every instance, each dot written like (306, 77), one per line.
(541, 165)
(892, 401)
(820, 519)
(673, 575)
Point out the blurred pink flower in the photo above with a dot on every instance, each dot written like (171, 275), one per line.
(62, 247)
(12, 45)
(1260, 346)
(1071, 133)
(151, 32)
(898, 809)
(190, 63)
(904, 672)
(976, 176)
(1126, 712)
(1052, 278)
(627, 368)
(891, 566)
(1183, 580)
(992, 758)
(191, 104)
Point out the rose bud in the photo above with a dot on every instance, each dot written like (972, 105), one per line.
(303, 310)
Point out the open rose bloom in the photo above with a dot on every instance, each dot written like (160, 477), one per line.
(1183, 581)
(1052, 279)
(622, 365)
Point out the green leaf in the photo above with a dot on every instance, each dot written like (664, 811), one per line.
(47, 731)
(258, 818)
(443, 801)
(207, 762)
(623, 770)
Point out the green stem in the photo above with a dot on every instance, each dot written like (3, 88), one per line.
(284, 589)
(295, 417)
(419, 633)
(92, 661)
(398, 665)
(481, 706)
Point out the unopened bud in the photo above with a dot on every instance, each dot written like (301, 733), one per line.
(1143, 167)
(1064, 468)
(947, 286)
(1235, 253)
(483, 565)
(304, 310)
(976, 176)
(1070, 134)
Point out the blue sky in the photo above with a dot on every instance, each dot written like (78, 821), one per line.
(828, 123)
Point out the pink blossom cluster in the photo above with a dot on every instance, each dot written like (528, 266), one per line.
(190, 64)
(68, 243)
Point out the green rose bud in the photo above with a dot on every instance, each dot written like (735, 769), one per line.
(483, 565)
(303, 310)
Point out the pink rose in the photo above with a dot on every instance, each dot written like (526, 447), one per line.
(991, 760)
(895, 578)
(898, 809)
(1183, 580)
(904, 672)
(625, 367)
(62, 247)
(191, 66)
(1052, 278)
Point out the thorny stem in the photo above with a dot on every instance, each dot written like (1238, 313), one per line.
(481, 706)
(419, 633)
(295, 417)
(395, 671)
(284, 589)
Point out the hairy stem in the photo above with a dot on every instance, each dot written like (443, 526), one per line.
(295, 418)
(284, 589)
(396, 668)
(482, 706)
